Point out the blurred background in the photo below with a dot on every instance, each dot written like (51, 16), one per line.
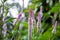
(14, 16)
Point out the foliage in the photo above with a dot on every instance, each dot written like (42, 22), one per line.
(47, 21)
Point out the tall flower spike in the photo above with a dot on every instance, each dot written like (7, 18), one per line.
(19, 17)
(39, 19)
(55, 26)
(30, 25)
(32, 14)
(33, 20)
(29, 29)
(40, 14)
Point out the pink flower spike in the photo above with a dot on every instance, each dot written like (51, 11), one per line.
(40, 13)
(41, 9)
(20, 15)
(55, 24)
(32, 14)
(29, 12)
(39, 16)
(39, 19)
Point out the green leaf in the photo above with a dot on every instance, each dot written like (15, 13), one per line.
(25, 24)
(46, 35)
(10, 19)
(32, 6)
(55, 8)
(4, 0)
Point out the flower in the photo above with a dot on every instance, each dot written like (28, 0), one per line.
(29, 28)
(55, 26)
(31, 15)
(39, 19)
(40, 13)
(30, 23)
(19, 17)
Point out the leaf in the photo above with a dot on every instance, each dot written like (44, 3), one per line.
(25, 24)
(46, 35)
(10, 19)
(55, 8)
(32, 6)
(4, 0)
(26, 10)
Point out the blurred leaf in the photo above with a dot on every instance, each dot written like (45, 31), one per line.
(55, 8)
(26, 10)
(7, 10)
(25, 24)
(10, 19)
(46, 35)
(32, 6)
(5, 0)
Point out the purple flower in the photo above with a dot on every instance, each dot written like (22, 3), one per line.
(22, 0)
(29, 28)
(55, 24)
(39, 19)
(30, 23)
(32, 14)
(41, 9)
(19, 17)
(40, 13)
(54, 29)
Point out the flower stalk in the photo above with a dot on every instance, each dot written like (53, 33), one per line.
(54, 28)
(31, 23)
(19, 17)
(39, 19)
(29, 27)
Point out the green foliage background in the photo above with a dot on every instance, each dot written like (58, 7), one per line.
(47, 21)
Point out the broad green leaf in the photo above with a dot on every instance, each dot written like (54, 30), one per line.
(55, 8)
